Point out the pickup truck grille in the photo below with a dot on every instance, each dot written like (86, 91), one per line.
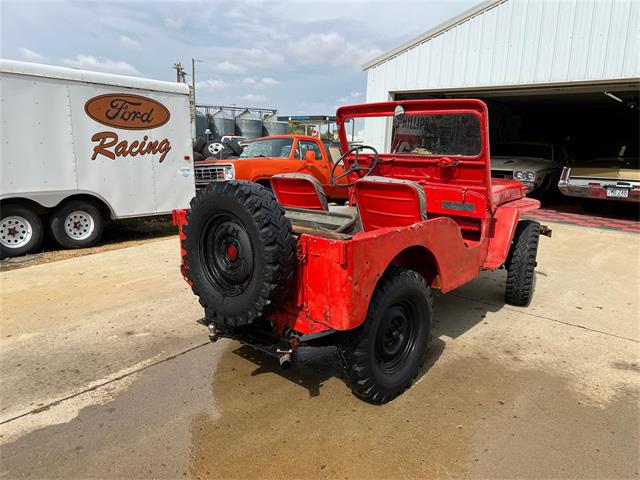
(209, 173)
(501, 173)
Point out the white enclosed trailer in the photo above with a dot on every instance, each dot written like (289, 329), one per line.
(79, 147)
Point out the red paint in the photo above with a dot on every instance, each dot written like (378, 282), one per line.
(232, 253)
(469, 226)
(298, 193)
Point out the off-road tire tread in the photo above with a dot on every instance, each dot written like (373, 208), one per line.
(352, 348)
(276, 236)
(521, 263)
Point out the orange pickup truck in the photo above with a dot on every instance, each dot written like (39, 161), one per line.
(267, 156)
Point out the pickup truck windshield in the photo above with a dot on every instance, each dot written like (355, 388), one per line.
(271, 148)
(456, 134)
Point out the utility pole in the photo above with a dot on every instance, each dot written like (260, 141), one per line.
(193, 97)
(180, 75)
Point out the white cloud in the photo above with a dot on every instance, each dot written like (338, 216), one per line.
(252, 97)
(229, 67)
(258, 57)
(330, 48)
(260, 82)
(177, 22)
(210, 85)
(99, 64)
(353, 96)
(30, 55)
(129, 42)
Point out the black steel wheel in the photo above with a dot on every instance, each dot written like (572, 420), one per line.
(239, 251)
(228, 254)
(384, 355)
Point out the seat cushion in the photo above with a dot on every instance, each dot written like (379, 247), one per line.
(389, 202)
(298, 190)
(505, 190)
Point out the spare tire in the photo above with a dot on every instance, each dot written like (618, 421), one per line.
(199, 144)
(197, 156)
(239, 251)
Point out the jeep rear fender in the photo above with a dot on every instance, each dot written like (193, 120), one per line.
(421, 260)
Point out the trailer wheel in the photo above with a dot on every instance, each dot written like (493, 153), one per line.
(521, 263)
(76, 224)
(21, 231)
(240, 251)
(383, 356)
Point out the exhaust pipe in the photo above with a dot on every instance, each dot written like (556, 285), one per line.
(286, 361)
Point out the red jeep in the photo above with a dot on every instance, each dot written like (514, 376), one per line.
(278, 269)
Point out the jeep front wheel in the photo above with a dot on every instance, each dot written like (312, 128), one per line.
(521, 263)
(384, 355)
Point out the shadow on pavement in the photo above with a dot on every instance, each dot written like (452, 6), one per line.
(455, 314)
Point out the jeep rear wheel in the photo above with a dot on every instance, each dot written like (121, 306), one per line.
(521, 263)
(382, 357)
(239, 251)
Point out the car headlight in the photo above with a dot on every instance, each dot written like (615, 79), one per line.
(229, 173)
(519, 176)
(530, 176)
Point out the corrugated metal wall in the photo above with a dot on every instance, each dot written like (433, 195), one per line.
(518, 42)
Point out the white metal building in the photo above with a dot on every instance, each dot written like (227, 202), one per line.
(531, 60)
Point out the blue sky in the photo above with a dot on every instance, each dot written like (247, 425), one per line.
(301, 57)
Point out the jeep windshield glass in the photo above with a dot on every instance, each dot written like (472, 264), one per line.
(271, 148)
(454, 134)
(534, 150)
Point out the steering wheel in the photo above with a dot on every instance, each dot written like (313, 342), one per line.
(355, 167)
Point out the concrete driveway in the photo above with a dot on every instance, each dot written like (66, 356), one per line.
(106, 374)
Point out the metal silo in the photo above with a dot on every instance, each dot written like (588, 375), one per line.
(202, 123)
(222, 123)
(271, 126)
(248, 125)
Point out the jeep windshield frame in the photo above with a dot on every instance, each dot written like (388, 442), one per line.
(456, 169)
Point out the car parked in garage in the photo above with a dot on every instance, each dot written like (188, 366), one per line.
(604, 178)
(536, 164)
(267, 156)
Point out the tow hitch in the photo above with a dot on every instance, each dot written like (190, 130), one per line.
(264, 340)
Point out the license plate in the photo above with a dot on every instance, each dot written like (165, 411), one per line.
(616, 192)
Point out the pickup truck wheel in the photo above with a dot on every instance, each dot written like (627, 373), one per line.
(521, 263)
(76, 224)
(383, 356)
(240, 251)
(21, 231)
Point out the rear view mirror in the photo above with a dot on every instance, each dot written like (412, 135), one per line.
(310, 156)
